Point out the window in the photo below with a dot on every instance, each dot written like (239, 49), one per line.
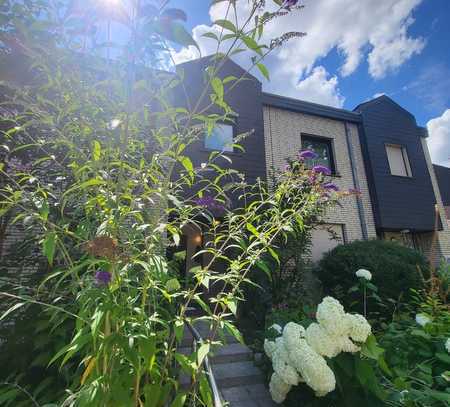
(221, 138)
(324, 150)
(398, 160)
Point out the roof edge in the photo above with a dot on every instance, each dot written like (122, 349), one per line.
(302, 106)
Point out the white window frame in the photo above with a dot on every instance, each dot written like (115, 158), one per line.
(405, 164)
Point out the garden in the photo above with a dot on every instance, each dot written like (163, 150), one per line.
(97, 192)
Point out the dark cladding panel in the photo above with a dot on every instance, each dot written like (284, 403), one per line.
(401, 202)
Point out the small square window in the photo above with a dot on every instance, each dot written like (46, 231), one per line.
(324, 150)
(398, 160)
(221, 138)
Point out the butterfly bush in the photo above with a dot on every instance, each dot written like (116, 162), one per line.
(299, 354)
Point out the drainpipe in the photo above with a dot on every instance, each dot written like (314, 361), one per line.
(362, 217)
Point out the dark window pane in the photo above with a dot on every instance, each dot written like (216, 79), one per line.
(323, 150)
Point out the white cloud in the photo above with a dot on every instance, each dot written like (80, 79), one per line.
(439, 138)
(320, 88)
(358, 30)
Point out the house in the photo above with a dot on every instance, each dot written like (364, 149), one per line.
(443, 179)
(291, 125)
(377, 149)
(404, 191)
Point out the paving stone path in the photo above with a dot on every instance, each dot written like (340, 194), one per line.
(240, 382)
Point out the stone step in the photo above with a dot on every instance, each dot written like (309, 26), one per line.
(233, 352)
(254, 395)
(236, 374)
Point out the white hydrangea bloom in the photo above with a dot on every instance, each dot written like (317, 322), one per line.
(422, 319)
(323, 343)
(282, 367)
(269, 348)
(447, 345)
(363, 273)
(360, 328)
(276, 328)
(297, 355)
(331, 316)
(278, 388)
(313, 368)
(292, 333)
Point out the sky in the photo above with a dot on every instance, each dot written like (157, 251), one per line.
(354, 50)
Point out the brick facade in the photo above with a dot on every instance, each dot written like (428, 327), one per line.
(282, 134)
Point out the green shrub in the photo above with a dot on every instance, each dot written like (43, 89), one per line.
(394, 268)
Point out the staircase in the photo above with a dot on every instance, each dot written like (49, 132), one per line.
(240, 382)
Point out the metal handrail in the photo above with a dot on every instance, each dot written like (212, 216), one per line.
(207, 366)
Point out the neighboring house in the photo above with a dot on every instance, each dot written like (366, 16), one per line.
(406, 199)
(443, 179)
(291, 125)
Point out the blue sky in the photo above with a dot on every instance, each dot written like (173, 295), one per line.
(355, 50)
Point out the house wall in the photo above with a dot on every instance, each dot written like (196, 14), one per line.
(283, 129)
(442, 248)
(246, 101)
(399, 202)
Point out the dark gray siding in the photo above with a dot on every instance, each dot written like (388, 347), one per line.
(399, 202)
(246, 100)
(443, 178)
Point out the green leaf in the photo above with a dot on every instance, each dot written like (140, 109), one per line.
(172, 285)
(443, 357)
(12, 309)
(49, 246)
(252, 44)
(205, 392)
(211, 35)
(228, 25)
(217, 86)
(96, 150)
(179, 401)
(371, 349)
(263, 69)
(252, 229)
(187, 164)
(202, 353)
(233, 331)
(178, 34)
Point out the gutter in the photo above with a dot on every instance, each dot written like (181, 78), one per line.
(362, 217)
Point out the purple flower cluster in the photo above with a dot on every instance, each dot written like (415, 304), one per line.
(354, 191)
(321, 169)
(103, 278)
(16, 166)
(307, 155)
(210, 203)
(330, 186)
(289, 3)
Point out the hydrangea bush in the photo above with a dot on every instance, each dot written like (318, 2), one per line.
(299, 354)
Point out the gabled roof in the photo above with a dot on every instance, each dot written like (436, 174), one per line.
(301, 106)
(383, 99)
(209, 58)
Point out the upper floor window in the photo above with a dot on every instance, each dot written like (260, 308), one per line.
(323, 148)
(398, 160)
(221, 138)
